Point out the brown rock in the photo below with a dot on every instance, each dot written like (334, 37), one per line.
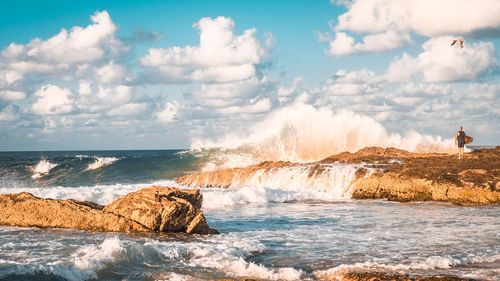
(151, 209)
(400, 175)
(382, 276)
(163, 209)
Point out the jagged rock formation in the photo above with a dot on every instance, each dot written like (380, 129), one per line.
(391, 174)
(152, 209)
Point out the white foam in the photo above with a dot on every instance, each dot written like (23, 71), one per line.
(297, 183)
(101, 162)
(303, 133)
(100, 194)
(218, 198)
(91, 259)
(430, 263)
(83, 265)
(333, 179)
(42, 168)
(225, 253)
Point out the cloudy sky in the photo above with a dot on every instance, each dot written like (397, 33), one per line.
(161, 74)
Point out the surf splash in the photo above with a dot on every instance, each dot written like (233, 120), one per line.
(101, 162)
(282, 182)
(42, 168)
(302, 133)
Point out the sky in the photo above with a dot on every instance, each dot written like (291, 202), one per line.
(86, 75)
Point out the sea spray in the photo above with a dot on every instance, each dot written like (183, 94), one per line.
(42, 168)
(102, 161)
(288, 182)
(303, 133)
(334, 179)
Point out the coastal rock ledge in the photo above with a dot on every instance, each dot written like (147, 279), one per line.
(152, 209)
(381, 173)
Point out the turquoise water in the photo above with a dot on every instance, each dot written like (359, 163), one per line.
(267, 233)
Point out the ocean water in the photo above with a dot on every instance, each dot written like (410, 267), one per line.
(279, 226)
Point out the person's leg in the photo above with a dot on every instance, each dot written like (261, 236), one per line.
(461, 153)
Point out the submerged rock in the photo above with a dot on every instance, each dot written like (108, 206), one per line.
(152, 209)
(384, 173)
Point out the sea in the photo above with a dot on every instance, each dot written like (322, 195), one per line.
(277, 229)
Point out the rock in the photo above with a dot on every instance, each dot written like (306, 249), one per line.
(228, 177)
(393, 187)
(163, 209)
(153, 209)
(389, 173)
(381, 276)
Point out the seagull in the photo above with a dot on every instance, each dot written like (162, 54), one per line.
(461, 40)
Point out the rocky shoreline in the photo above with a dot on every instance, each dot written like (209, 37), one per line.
(151, 209)
(392, 174)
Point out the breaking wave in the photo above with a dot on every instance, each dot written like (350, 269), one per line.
(42, 168)
(302, 133)
(102, 161)
(430, 263)
(327, 182)
(223, 253)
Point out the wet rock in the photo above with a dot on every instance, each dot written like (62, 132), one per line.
(383, 276)
(153, 209)
(163, 209)
(389, 173)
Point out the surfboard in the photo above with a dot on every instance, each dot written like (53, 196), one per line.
(468, 139)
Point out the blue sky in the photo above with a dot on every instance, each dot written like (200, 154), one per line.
(141, 85)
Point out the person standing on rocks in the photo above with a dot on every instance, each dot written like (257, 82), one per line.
(460, 141)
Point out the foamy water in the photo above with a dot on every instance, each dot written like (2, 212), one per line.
(42, 168)
(303, 133)
(292, 223)
(272, 241)
(102, 161)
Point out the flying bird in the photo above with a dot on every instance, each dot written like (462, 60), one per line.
(460, 40)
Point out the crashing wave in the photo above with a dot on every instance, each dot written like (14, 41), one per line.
(301, 133)
(101, 162)
(42, 168)
(261, 184)
(430, 263)
(224, 253)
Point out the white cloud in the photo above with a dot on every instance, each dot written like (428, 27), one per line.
(344, 44)
(12, 95)
(425, 17)
(97, 98)
(259, 106)
(78, 45)
(9, 77)
(357, 82)
(234, 90)
(440, 62)
(168, 113)
(78, 53)
(220, 57)
(129, 109)
(7, 114)
(52, 100)
(387, 24)
(290, 90)
(111, 73)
